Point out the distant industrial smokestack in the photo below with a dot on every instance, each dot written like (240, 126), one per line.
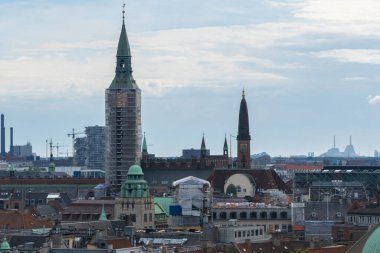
(11, 142)
(2, 136)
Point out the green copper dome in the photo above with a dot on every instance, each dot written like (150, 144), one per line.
(135, 186)
(5, 247)
(135, 170)
(373, 243)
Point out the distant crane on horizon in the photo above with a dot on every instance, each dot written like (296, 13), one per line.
(72, 135)
(57, 147)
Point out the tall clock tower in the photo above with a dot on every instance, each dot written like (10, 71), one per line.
(123, 118)
(243, 138)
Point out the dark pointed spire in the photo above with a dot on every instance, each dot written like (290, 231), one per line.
(243, 132)
(203, 147)
(123, 72)
(144, 147)
(225, 146)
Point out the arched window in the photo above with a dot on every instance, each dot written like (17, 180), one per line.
(284, 215)
(243, 215)
(263, 215)
(253, 215)
(273, 215)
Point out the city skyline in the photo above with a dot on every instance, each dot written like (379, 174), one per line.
(308, 68)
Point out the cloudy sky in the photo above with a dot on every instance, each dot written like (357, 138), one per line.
(310, 69)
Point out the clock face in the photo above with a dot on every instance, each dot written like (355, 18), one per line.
(243, 148)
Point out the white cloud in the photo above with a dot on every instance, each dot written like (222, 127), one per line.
(354, 78)
(373, 99)
(342, 11)
(368, 56)
(97, 44)
(209, 57)
(51, 75)
(282, 4)
(205, 56)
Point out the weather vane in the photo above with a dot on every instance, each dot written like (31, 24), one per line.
(123, 11)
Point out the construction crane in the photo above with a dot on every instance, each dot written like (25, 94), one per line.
(73, 134)
(57, 147)
(65, 153)
(51, 149)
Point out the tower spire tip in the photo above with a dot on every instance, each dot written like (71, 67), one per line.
(123, 11)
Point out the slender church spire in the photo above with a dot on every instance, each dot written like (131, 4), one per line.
(244, 137)
(225, 146)
(123, 71)
(243, 131)
(144, 147)
(203, 147)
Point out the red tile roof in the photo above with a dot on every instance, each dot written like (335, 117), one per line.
(18, 220)
(119, 243)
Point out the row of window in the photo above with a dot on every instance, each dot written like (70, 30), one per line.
(248, 233)
(251, 215)
(33, 202)
(147, 205)
(277, 227)
(146, 217)
(6, 206)
(164, 182)
(364, 219)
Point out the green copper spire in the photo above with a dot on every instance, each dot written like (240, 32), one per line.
(103, 215)
(123, 72)
(5, 247)
(144, 147)
(123, 49)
